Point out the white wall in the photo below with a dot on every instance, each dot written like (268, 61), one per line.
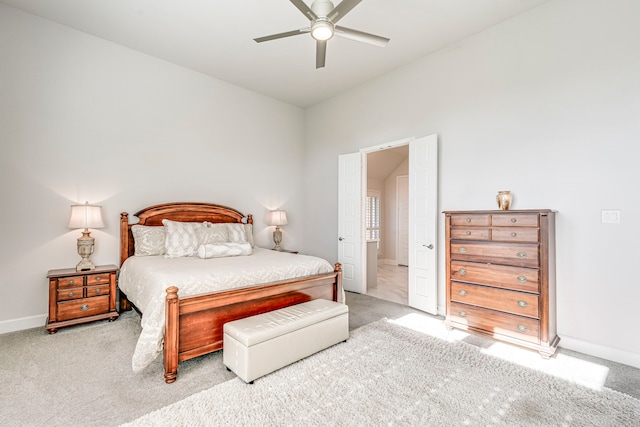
(391, 211)
(545, 105)
(82, 119)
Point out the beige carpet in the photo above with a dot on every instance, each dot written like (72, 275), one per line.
(386, 375)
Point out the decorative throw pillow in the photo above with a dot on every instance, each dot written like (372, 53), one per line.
(148, 240)
(219, 250)
(213, 233)
(237, 233)
(248, 229)
(181, 239)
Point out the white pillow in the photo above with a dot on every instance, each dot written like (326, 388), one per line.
(237, 233)
(148, 240)
(181, 239)
(213, 233)
(218, 250)
(248, 229)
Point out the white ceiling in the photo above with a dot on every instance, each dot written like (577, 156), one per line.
(215, 37)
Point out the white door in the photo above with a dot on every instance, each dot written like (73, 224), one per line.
(423, 220)
(402, 196)
(350, 239)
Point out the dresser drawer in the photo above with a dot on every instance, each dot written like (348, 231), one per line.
(98, 279)
(98, 290)
(67, 294)
(512, 254)
(515, 278)
(495, 322)
(471, 219)
(513, 234)
(515, 220)
(513, 302)
(82, 308)
(70, 282)
(471, 233)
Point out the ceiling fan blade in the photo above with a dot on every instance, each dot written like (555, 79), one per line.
(342, 9)
(306, 10)
(360, 36)
(321, 53)
(282, 35)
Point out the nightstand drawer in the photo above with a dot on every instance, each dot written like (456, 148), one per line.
(512, 234)
(515, 220)
(513, 254)
(470, 233)
(98, 290)
(69, 294)
(70, 282)
(82, 307)
(500, 276)
(98, 279)
(470, 219)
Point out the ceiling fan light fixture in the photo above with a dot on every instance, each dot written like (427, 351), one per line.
(321, 29)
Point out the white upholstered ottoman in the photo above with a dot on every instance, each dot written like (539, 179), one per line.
(258, 345)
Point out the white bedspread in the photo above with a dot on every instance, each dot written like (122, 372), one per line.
(145, 279)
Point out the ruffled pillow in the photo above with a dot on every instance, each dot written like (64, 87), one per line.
(219, 250)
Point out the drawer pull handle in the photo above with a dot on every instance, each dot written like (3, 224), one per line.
(468, 233)
(71, 282)
(462, 313)
(70, 294)
(514, 220)
(462, 293)
(522, 303)
(462, 250)
(84, 307)
(522, 279)
(521, 254)
(468, 219)
(98, 291)
(98, 279)
(522, 328)
(462, 271)
(514, 234)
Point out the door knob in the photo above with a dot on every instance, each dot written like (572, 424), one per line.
(341, 238)
(429, 246)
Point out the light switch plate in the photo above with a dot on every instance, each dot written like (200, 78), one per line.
(611, 216)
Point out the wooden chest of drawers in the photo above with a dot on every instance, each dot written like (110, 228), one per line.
(81, 296)
(501, 276)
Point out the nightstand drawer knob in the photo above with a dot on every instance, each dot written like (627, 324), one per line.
(468, 219)
(70, 294)
(97, 290)
(522, 279)
(522, 328)
(462, 271)
(513, 220)
(84, 307)
(468, 233)
(98, 279)
(71, 282)
(462, 250)
(463, 313)
(522, 303)
(462, 293)
(514, 234)
(521, 254)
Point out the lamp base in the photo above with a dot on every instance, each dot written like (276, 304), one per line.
(277, 238)
(85, 249)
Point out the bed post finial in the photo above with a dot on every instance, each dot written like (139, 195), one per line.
(249, 219)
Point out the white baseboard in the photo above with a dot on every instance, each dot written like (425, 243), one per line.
(22, 323)
(597, 350)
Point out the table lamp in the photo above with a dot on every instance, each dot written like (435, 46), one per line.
(85, 216)
(277, 218)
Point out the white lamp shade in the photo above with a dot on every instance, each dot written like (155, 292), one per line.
(277, 218)
(86, 216)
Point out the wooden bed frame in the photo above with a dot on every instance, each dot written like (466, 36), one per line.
(193, 325)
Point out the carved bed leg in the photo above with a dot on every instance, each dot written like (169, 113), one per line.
(337, 268)
(171, 335)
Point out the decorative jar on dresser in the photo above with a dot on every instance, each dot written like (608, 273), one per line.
(81, 296)
(501, 276)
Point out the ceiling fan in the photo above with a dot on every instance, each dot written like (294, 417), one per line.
(324, 16)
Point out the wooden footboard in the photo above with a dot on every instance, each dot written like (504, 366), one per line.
(193, 325)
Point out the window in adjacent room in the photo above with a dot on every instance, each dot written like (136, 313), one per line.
(372, 216)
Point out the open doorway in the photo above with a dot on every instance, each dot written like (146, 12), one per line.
(386, 224)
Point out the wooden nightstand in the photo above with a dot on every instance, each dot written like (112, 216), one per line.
(81, 296)
(286, 251)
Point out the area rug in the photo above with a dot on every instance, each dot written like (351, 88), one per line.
(388, 375)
